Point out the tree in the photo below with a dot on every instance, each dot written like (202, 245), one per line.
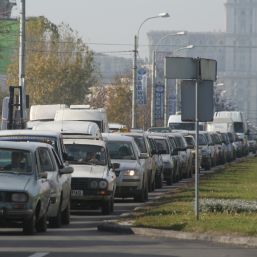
(59, 66)
(116, 99)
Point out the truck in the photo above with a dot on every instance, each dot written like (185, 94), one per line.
(43, 113)
(82, 113)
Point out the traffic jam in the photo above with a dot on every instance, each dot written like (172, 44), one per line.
(72, 158)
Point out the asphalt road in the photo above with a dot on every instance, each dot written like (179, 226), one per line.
(81, 238)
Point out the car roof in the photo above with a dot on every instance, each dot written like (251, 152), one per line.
(29, 132)
(133, 134)
(116, 137)
(84, 141)
(29, 146)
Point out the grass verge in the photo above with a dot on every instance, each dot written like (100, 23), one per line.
(175, 211)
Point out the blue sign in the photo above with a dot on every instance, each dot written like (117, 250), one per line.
(141, 94)
(159, 101)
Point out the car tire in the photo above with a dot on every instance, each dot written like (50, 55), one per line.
(107, 207)
(41, 224)
(158, 181)
(56, 222)
(66, 215)
(29, 225)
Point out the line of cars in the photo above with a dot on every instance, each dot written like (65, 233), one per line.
(71, 164)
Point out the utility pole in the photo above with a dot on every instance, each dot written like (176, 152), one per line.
(22, 92)
(134, 91)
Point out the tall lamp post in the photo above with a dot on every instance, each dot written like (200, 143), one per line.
(136, 38)
(180, 33)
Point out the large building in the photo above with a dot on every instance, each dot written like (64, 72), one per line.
(235, 51)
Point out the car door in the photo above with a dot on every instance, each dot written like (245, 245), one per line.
(48, 165)
(65, 180)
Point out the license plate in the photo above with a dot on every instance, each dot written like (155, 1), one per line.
(77, 192)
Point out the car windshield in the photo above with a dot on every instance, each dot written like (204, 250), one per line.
(86, 154)
(121, 150)
(140, 143)
(201, 138)
(162, 145)
(182, 126)
(190, 141)
(15, 161)
(32, 138)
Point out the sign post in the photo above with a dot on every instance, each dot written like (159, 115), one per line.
(199, 75)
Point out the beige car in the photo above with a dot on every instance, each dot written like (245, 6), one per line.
(93, 182)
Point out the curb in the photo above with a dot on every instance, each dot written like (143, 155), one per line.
(115, 228)
(158, 233)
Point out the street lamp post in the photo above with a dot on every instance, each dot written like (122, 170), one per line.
(180, 33)
(136, 39)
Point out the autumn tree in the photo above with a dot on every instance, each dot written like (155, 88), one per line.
(59, 66)
(116, 99)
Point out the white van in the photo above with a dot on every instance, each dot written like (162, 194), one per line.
(175, 123)
(43, 113)
(98, 116)
(76, 129)
(236, 120)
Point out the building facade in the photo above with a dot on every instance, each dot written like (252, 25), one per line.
(235, 51)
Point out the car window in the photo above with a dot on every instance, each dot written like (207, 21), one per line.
(86, 154)
(162, 145)
(45, 160)
(121, 150)
(15, 161)
(140, 141)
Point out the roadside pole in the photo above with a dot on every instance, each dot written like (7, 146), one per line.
(22, 92)
(197, 140)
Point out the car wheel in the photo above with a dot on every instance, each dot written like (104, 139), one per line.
(158, 181)
(29, 225)
(56, 222)
(107, 207)
(41, 225)
(66, 215)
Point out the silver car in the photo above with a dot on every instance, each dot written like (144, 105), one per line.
(24, 188)
(59, 209)
(150, 163)
(131, 175)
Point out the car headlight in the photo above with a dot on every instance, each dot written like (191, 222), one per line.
(19, 197)
(93, 184)
(130, 173)
(103, 184)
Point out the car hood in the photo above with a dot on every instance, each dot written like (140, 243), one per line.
(13, 182)
(127, 164)
(89, 171)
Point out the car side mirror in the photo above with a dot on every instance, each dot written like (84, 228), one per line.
(115, 166)
(175, 152)
(43, 175)
(143, 156)
(153, 152)
(66, 170)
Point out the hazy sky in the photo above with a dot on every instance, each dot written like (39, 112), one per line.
(115, 22)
